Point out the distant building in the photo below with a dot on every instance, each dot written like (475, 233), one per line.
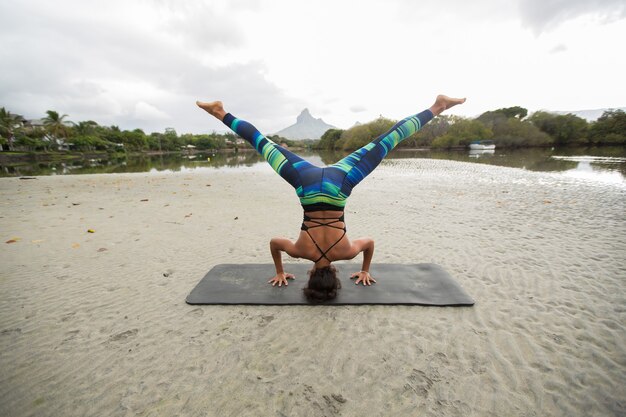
(236, 142)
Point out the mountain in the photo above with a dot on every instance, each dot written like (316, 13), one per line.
(306, 127)
(589, 115)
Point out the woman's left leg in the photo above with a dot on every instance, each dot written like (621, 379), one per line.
(360, 163)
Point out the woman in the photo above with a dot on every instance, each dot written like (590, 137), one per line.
(323, 193)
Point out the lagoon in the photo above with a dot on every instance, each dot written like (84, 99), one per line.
(606, 164)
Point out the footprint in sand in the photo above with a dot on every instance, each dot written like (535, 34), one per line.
(196, 312)
(265, 320)
(123, 336)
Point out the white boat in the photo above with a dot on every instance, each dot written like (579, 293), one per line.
(482, 145)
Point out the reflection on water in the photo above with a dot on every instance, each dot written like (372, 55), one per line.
(477, 153)
(604, 164)
(132, 163)
(587, 158)
(596, 169)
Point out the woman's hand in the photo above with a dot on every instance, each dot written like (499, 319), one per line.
(364, 277)
(281, 279)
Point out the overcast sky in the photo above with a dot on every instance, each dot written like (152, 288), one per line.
(144, 63)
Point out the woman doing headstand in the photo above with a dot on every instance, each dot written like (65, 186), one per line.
(323, 193)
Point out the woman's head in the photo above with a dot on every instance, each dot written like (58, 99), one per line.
(323, 284)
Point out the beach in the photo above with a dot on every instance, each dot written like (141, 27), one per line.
(93, 319)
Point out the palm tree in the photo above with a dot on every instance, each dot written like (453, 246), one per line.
(85, 128)
(55, 125)
(8, 124)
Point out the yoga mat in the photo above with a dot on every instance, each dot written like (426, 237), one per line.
(406, 284)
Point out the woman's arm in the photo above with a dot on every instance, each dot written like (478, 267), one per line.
(365, 245)
(278, 245)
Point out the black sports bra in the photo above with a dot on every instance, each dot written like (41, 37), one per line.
(321, 222)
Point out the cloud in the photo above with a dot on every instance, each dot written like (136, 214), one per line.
(357, 108)
(145, 111)
(559, 48)
(545, 15)
(267, 61)
(132, 73)
(200, 25)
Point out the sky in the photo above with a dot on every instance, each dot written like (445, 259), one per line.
(144, 63)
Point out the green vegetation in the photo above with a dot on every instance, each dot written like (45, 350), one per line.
(361, 135)
(509, 127)
(461, 132)
(55, 133)
(285, 142)
(329, 139)
(609, 129)
(563, 129)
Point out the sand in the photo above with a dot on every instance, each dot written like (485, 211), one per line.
(95, 324)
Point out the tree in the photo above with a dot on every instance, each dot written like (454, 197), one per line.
(515, 133)
(170, 140)
(85, 143)
(571, 130)
(88, 127)
(516, 111)
(564, 129)
(504, 113)
(30, 143)
(111, 134)
(55, 124)
(461, 133)
(427, 134)
(134, 140)
(155, 141)
(281, 140)
(212, 141)
(610, 128)
(543, 120)
(361, 135)
(6, 128)
(329, 139)
(9, 124)
(509, 130)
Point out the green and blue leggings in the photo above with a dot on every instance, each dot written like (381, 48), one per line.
(327, 188)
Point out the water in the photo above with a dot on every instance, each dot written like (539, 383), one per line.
(606, 164)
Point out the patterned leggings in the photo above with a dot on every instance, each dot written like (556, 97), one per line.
(327, 187)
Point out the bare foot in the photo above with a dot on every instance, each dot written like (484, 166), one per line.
(444, 103)
(214, 108)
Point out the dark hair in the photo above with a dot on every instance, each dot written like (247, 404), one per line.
(323, 284)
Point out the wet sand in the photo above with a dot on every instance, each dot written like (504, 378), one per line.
(95, 324)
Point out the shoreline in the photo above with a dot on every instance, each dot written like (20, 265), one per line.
(19, 156)
(11, 157)
(96, 323)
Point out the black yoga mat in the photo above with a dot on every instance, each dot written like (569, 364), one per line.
(406, 284)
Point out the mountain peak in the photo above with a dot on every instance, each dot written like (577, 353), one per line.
(306, 127)
(304, 116)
